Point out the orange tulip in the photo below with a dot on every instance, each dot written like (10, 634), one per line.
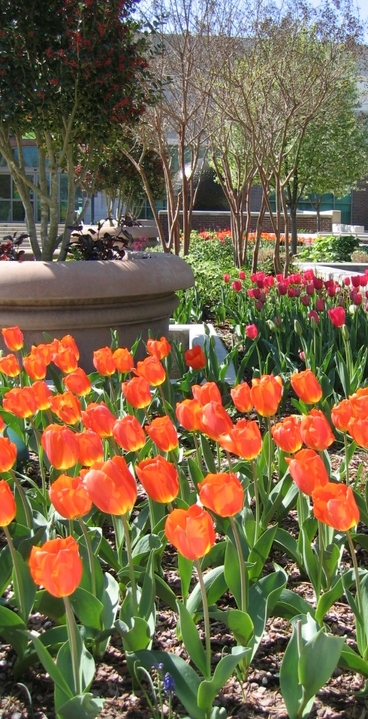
(214, 420)
(90, 447)
(359, 402)
(13, 338)
(206, 392)
(158, 348)
(244, 439)
(195, 357)
(286, 434)
(103, 361)
(67, 407)
(222, 493)
(42, 394)
(68, 342)
(358, 429)
(151, 370)
(20, 401)
(305, 384)
(307, 470)
(8, 454)
(265, 393)
(111, 486)
(241, 397)
(191, 531)
(8, 508)
(129, 434)
(65, 359)
(315, 430)
(159, 478)
(98, 417)
(35, 366)
(78, 382)
(46, 350)
(61, 446)
(70, 497)
(9, 365)
(163, 433)
(124, 362)
(2, 424)
(335, 505)
(341, 415)
(187, 413)
(137, 392)
(57, 566)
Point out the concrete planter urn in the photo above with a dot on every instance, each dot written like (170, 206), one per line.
(86, 299)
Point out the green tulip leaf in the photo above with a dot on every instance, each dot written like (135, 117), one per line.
(208, 455)
(319, 658)
(136, 637)
(260, 552)
(186, 680)
(191, 639)
(349, 659)
(24, 587)
(215, 585)
(87, 608)
(6, 566)
(52, 639)
(85, 666)
(185, 569)
(208, 689)
(83, 706)
(232, 572)
(13, 630)
(290, 605)
(50, 666)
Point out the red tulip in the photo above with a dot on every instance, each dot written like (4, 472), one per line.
(187, 413)
(251, 331)
(13, 338)
(240, 394)
(137, 392)
(222, 493)
(8, 508)
(42, 394)
(70, 497)
(20, 401)
(103, 361)
(151, 370)
(159, 478)
(123, 360)
(286, 434)
(90, 447)
(67, 407)
(191, 531)
(129, 434)
(195, 358)
(8, 454)
(163, 433)
(244, 439)
(57, 566)
(111, 486)
(307, 470)
(265, 394)
(98, 417)
(315, 430)
(337, 316)
(9, 365)
(214, 420)
(61, 446)
(305, 384)
(158, 348)
(335, 505)
(78, 382)
(236, 285)
(341, 414)
(206, 392)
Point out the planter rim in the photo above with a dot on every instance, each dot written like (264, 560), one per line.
(158, 274)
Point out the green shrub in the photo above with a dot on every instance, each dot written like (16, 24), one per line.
(331, 248)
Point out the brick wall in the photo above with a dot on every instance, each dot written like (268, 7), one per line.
(202, 220)
(359, 205)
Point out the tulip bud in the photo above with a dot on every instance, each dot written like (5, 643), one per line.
(298, 328)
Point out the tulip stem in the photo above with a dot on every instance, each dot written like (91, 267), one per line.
(17, 575)
(269, 484)
(256, 499)
(242, 570)
(206, 619)
(90, 555)
(320, 557)
(128, 548)
(356, 572)
(23, 498)
(72, 630)
(346, 460)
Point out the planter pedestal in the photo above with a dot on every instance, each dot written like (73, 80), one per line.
(86, 299)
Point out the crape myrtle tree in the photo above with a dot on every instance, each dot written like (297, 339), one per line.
(71, 72)
(294, 58)
(178, 123)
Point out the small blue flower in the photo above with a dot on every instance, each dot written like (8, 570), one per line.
(168, 684)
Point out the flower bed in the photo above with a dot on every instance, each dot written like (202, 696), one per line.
(132, 466)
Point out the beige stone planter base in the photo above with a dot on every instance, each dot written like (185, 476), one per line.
(86, 299)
